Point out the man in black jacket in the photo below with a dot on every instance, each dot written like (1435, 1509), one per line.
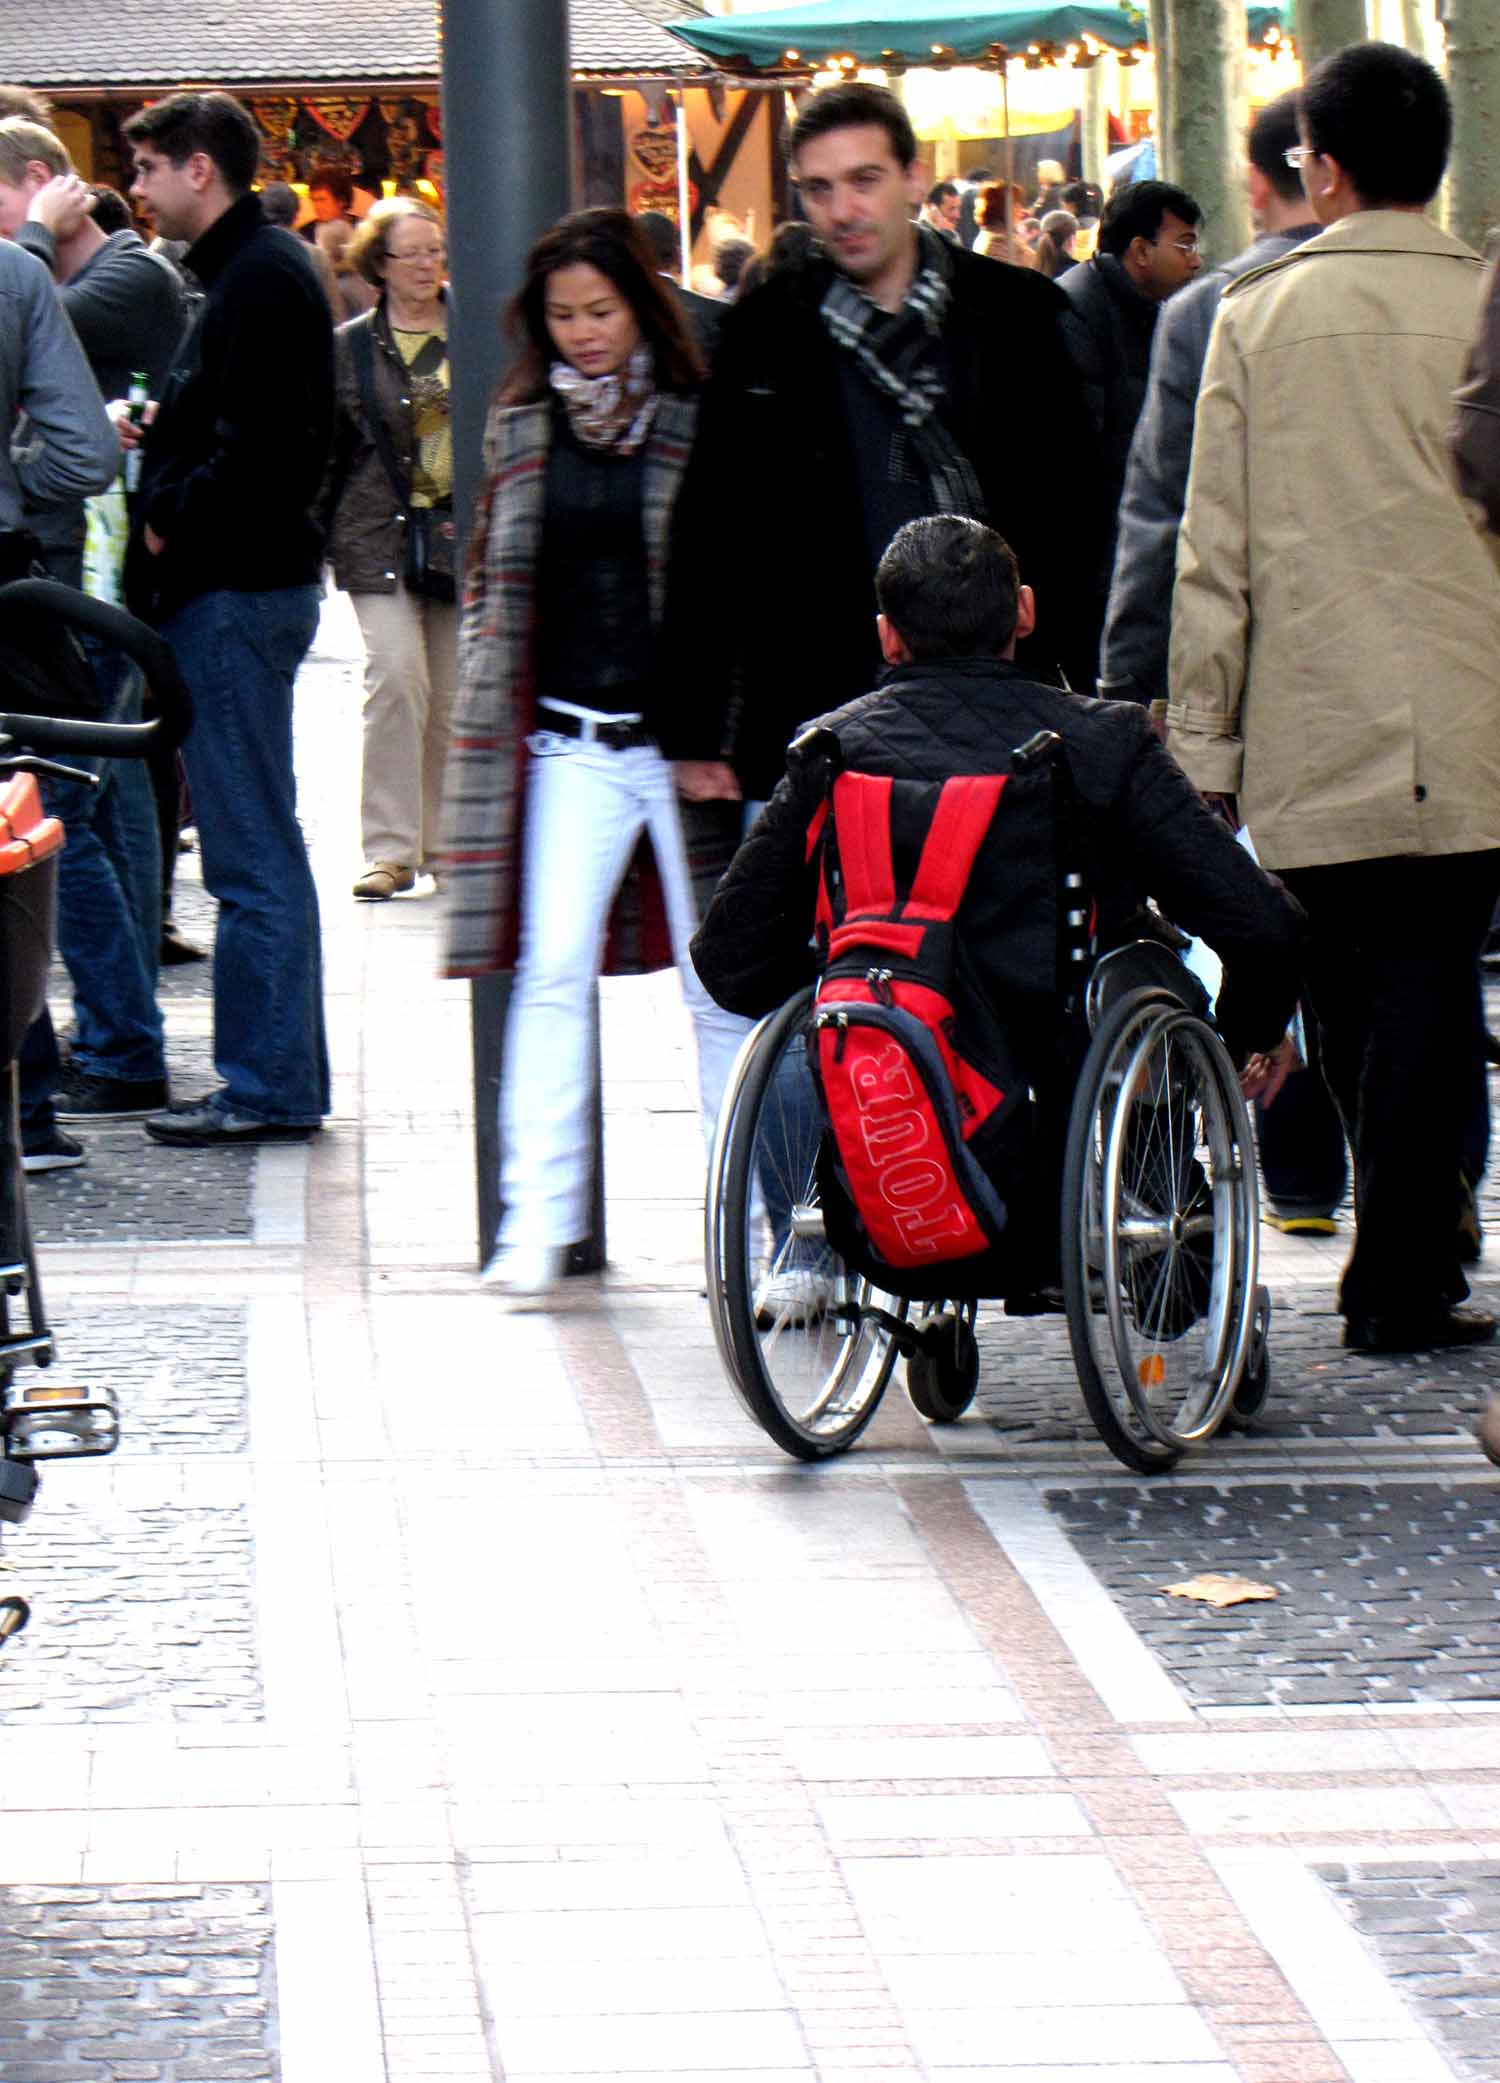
(226, 557)
(1147, 252)
(953, 701)
(888, 376)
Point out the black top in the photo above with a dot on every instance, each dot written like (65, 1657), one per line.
(1144, 831)
(235, 459)
(773, 493)
(894, 488)
(594, 644)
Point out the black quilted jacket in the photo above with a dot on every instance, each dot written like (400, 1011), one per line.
(1142, 828)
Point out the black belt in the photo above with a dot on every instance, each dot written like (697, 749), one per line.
(615, 733)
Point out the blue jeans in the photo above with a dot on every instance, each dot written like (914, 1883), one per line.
(109, 899)
(239, 653)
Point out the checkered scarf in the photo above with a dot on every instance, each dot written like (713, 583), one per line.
(896, 351)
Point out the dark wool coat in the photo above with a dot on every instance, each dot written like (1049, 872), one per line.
(771, 617)
(366, 537)
(494, 711)
(1144, 831)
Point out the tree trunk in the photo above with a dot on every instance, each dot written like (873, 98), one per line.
(1160, 32)
(1206, 98)
(1474, 77)
(1095, 118)
(1324, 26)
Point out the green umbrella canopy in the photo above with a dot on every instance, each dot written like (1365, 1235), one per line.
(907, 32)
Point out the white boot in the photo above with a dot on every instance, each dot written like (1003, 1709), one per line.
(527, 1273)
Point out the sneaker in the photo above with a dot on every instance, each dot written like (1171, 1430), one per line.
(84, 1097)
(52, 1151)
(527, 1273)
(796, 1296)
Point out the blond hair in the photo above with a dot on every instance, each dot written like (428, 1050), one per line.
(21, 143)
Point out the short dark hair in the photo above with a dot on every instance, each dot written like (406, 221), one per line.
(179, 125)
(1273, 132)
(731, 258)
(1385, 116)
(338, 182)
(1136, 212)
(976, 174)
(848, 105)
(111, 211)
(940, 191)
(1083, 198)
(281, 203)
(660, 234)
(949, 587)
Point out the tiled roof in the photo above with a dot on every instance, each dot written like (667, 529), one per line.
(155, 43)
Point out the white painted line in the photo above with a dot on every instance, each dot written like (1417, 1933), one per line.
(1342, 1985)
(325, 1983)
(278, 1202)
(1124, 1673)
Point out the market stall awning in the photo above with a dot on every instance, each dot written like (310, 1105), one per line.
(904, 32)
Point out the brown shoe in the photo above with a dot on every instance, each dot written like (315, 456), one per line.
(385, 879)
(1487, 1432)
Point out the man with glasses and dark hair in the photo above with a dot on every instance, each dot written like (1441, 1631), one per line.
(1333, 670)
(870, 382)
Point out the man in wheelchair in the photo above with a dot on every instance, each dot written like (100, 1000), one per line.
(1122, 815)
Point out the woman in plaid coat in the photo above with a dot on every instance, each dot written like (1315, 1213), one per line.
(565, 843)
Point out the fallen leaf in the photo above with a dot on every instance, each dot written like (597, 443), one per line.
(1220, 1591)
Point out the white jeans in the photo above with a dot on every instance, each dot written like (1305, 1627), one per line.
(586, 807)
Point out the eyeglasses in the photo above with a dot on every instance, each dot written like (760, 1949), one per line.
(1296, 156)
(422, 253)
(1187, 244)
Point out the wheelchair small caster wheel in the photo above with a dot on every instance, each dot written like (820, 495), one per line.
(1249, 1399)
(942, 1375)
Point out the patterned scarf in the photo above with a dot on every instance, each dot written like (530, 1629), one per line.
(614, 411)
(896, 351)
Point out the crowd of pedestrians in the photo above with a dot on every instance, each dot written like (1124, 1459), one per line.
(576, 749)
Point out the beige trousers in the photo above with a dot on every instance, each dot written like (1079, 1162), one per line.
(411, 669)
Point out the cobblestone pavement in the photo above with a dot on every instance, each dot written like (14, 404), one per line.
(427, 1693)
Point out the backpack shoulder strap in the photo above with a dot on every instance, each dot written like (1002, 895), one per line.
(862, 820)
(965, 811)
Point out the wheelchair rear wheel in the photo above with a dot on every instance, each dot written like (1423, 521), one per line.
(806, 1341)
(1159, 1231)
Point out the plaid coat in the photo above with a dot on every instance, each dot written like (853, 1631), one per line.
(494, 712)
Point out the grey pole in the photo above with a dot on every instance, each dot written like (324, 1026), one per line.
(508, 172)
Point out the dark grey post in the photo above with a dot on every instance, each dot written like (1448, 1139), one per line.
(508, 172)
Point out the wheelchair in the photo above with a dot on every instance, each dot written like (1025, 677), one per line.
(1158, 1241)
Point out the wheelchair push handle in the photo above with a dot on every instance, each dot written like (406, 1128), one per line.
(85, 616)
(1042, 749)
(62, 734)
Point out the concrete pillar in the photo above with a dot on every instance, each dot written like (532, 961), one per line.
(1473, 35)
(1206, 96)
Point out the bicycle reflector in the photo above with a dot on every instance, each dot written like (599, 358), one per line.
(53, 1423)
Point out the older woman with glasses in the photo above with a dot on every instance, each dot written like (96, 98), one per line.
(389, 508)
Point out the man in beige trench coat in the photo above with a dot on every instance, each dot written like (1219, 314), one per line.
(1334, 682)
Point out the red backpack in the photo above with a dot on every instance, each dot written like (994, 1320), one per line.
(931, 1125)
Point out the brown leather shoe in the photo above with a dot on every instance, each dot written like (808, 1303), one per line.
(383, 880)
